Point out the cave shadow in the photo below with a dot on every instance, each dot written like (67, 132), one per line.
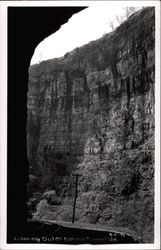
(27, 27)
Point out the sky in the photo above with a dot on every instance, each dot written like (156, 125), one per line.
(83, 27)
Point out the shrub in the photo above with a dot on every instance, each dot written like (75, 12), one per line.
(42, 208)
(52, 197)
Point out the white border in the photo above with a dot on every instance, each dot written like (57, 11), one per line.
(3, 126)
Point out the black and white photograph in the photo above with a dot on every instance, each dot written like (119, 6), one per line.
(82, 125)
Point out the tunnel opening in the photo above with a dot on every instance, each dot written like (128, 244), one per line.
(27, 26)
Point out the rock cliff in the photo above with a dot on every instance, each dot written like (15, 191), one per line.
(92, 112)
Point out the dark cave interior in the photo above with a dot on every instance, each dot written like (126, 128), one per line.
(27, 27)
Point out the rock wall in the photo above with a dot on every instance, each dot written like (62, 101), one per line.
(92, 112)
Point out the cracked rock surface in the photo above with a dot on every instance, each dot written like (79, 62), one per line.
(92, 112)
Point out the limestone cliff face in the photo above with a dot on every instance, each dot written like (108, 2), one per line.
(92, 112)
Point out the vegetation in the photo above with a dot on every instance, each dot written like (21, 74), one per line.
(128, 11)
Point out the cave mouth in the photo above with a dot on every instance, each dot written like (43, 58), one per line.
(27, 26)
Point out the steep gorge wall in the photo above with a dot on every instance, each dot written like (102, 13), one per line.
(92, 112)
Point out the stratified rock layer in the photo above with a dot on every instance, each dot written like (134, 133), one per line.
(92, 112)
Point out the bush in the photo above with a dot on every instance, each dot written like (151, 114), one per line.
(42, 208)
(33, 185)
(52, 197)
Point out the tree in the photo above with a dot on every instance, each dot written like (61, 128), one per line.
(111, 24)
(40, 57)
(127, 12)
